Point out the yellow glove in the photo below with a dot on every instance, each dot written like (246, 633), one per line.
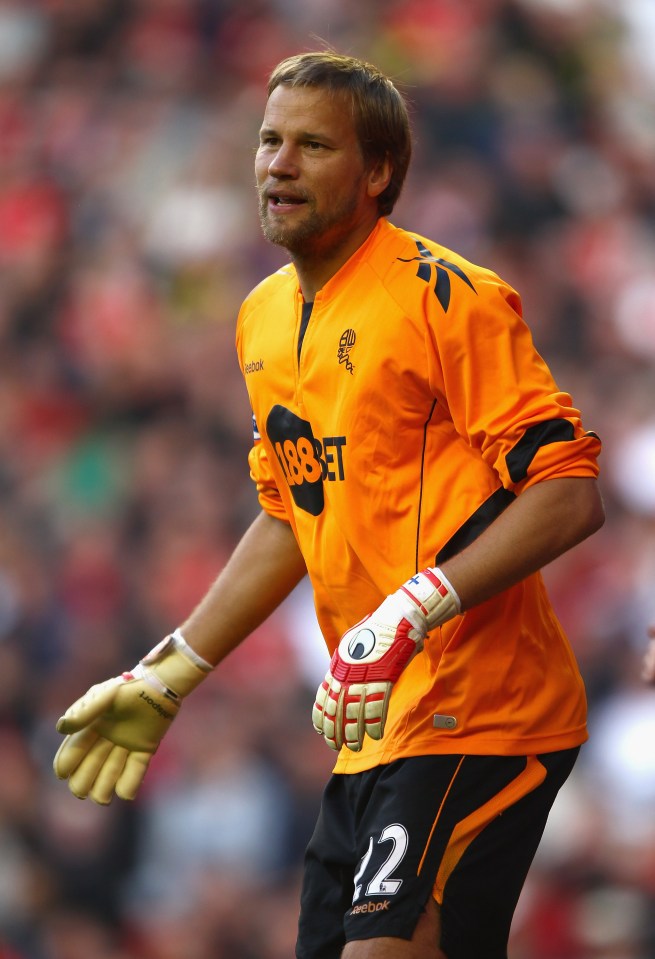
(113, 731)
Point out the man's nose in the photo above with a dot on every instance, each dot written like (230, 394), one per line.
(284, 163)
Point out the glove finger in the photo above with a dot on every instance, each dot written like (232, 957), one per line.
(328, 712)
(335, 707)
(354, 717)
(82, 779)
(72, 751)
(319, 707)
(132, 775)
(88, 707)
(102, 790)
(376, 709)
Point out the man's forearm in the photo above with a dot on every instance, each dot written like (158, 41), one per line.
(542, 523)
(264, 568)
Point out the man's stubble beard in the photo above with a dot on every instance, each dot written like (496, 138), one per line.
(315, 234)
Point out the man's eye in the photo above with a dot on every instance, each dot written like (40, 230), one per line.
(314, 145)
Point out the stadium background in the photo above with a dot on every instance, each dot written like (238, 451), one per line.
(128, 236)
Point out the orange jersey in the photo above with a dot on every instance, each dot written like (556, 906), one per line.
(394, 426)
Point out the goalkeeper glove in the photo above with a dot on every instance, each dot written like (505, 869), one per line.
(353, 699)
(113, 731)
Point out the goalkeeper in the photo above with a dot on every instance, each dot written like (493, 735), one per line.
(412, 455)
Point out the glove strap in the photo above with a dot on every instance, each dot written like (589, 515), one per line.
(174, 664)
(434, 596)
(183, 647)
(142, 672)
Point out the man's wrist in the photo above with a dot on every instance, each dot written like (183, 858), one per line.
(175, 664)
(434, 595)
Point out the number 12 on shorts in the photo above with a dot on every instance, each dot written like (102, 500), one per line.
(381, 884)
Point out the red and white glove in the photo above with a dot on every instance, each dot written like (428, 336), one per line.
(353, 699)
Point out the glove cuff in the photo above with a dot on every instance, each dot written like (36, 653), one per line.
(434, 595)
(175, 665)
(183, 647)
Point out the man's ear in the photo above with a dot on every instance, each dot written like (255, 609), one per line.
(380, 177)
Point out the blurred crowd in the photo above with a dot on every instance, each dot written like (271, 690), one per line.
(128, 237)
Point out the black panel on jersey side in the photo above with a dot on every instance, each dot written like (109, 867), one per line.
(476, 524)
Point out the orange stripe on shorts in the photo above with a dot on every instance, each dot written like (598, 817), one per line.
(467, 829)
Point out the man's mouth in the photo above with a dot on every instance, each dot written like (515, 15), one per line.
(285, 199)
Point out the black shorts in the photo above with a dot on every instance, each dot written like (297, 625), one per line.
(463, 829)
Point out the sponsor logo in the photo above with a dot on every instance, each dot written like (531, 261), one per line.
(346, 343)
(156, 706)
(307, 462)
(256, 366)
(367, 907)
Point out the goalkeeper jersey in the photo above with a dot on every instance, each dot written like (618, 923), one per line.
(396, 418)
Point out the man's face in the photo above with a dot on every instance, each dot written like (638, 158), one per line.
(311, 177)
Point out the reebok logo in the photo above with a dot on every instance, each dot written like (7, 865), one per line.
(370, 907)
(256, 366)
(442, 271)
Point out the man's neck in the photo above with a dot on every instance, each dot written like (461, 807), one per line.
(315, 269)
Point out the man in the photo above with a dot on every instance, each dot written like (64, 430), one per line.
(409, 444)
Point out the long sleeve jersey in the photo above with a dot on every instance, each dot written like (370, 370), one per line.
(396, 418)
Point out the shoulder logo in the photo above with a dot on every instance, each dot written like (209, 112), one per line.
(346, 343)
(426, 261)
